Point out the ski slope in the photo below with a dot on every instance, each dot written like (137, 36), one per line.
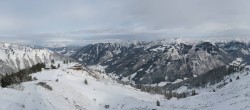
(71, 93)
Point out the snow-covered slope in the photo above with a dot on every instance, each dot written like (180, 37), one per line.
(70, 93)
(234, 95)
(14, 57)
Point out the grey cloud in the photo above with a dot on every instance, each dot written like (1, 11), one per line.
(188, 13)
(92, 20)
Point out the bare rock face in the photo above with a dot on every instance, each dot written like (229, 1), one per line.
(157, 61)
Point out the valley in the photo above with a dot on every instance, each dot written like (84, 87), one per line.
(68, 91)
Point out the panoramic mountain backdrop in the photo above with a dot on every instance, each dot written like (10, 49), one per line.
(159, 61)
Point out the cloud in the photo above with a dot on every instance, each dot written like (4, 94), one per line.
(113, 20)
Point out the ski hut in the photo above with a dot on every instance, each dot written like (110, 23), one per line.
(77, 67)
(47, 66)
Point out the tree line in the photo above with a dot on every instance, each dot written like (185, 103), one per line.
(211, 77)
(21, 76)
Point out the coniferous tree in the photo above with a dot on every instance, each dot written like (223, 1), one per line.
(85, 82)
(237, 77)
(193, 93)
(168, 95)
(52, 61)
(157, 103)
(52, 67)
(21, 76)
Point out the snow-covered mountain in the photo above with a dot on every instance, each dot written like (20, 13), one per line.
(67, 50)
(66, 89)
(15, 57)
(179, 64)
(161, 61)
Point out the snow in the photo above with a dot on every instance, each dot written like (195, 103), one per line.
(80, 59)
(236, 62)
(70, 93)
(181, 89)
(173, 53)
(169, 63)
(163, 83)
(117, 51)
(233, 96)
(158, 49)
(177, 81)
(149, 69)
(98, 67)
(245, 52)
(125, 79)
(23, 56)
(133, 75)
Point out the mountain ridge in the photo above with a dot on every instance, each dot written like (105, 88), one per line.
(15, 57)
(159, 61)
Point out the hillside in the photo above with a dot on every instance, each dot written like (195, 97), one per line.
(70, 92)
(15, 57)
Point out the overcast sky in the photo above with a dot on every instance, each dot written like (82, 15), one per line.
(86, 21)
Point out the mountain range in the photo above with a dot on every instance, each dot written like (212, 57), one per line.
(159, 61)
(156, 75)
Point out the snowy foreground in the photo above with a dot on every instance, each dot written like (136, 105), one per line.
(71, 93)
